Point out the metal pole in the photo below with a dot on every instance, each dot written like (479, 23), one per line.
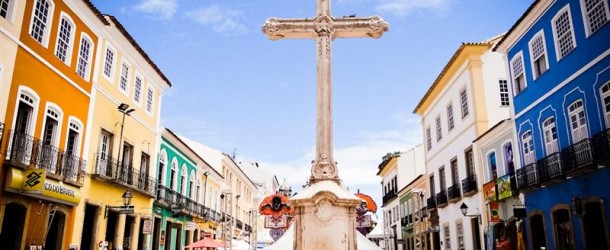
(205, 186)
(121, 142)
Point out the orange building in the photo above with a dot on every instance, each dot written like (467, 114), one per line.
(47, 110)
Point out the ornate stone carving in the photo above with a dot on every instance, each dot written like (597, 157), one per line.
(324, 211)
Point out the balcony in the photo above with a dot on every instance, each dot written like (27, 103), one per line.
(441, 199)
(248, 228)
(454, 192)
(26, 151)
(527, 177)
(389, 196)
(109, 169)
(549, 168)
(431, 203)
(239, 224)
(601, 143)
(578, 157)
(469, 185)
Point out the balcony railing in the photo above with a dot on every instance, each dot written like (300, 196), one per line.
(26, 151)
(527, 176)
(248, 228)
(550, 167)
(441, 199)
(454, 192)
(390, 195)
(579, 155)
(469, 185)
(602, 146)
(239, 224)
(431, 203)
(124, 174)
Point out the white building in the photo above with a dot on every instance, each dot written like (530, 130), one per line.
(466, 98)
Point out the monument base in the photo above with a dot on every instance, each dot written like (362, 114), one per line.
(324, 218)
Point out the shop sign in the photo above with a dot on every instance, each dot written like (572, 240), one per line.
(504, 190)
(33, 182)
(489, 191)
(190, 226)
(494, 211)
(147, 227)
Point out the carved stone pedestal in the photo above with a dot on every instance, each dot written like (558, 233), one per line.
(325, 217)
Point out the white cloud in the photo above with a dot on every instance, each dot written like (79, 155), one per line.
(221, 20)
(164, 9)
(405, 7)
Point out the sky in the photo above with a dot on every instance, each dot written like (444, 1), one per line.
(235, 90)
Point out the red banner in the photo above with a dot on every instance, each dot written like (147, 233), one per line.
(494, 212)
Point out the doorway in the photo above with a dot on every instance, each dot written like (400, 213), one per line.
(476, 237)
(12, 226)
(156, 233)
(87, 236)
(55, 231)
(537, 229)
(111, 224)
(595, 230)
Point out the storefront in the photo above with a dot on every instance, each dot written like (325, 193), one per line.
(506, 212)
(38, 210)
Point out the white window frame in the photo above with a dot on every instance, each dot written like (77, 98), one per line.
(582, 131)
(529, 149)
(112, 64)
(556, 39)
(127, 78)
(550, 145)
(49, 106)
(447, 236)
(604, 95)
(545, 55)
(163, 159)
(135, 89)
(459, 232)
(184, 178)
(464, 105)
(516, 89)
(490, 175)
(79, 129)
(439, 128)
(49, 22)
(70, 47)
(150, 99)
(450, 120)
(174, 180)
(9, 10)
(585, 16)
(89, 61)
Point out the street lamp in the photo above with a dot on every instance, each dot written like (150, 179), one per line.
(464, 209)
(127, 208)
(123, 108)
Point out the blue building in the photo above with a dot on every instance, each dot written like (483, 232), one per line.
(558, 59)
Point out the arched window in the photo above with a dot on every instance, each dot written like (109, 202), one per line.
(191, 184)
(605, 92)
(85, 52)
(183, 178)
(578, 121)
(162, 164)
(197, 191)
(550, 135)
(41, 21)
(528, 147)
(172, 175)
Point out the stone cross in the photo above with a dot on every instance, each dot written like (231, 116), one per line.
(324, 28)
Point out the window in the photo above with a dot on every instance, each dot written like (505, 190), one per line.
(432, 192)
(183, 180)
(563, 229)
(162, 164)
(104, 154)
(439, 131)
(73, 136)
(6, 7)
(493, 167)
(137, 91)
(144, 168)
(429, 138)
(84, 58)
(563, 33)
(71, 164)
(108, 62)
(47, 158)
(149, 100)
(41, 21)
(450, 123)
(550, 135)
(172, 175)
(64, 40)
(469, 162)
(459, 231)
(528, 147)
(509, 163)
(518, 74)
(605, 92)
(455, 177)
(464, 102)
(191, 183)
(124, 78)
(578, 121)
(504, 99)
(538, 53)
(441, 176)
(595, 13)
(447, 236)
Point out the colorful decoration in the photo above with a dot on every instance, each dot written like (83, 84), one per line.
(275, 205)
(504, 190)
(489, 191)
(276, 233)
(364, 222)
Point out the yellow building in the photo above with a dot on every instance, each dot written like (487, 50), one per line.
(46, 116)
(123, 144)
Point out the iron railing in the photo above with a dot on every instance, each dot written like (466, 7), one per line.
(527, 176)
(431, 203)
(26, 151)
(550, 167)
(602, 146)
(578, 155)
(390, 195)
(124, 174)
(469, 185)
(454, 192)
(441, 199)
(239, 224)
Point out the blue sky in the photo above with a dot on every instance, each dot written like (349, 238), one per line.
(235, 90)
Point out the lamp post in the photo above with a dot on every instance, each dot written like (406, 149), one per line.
(127, 208)
(464, 209)
(123, 108)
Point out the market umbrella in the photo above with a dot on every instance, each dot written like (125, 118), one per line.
(370, 203)
(206, 242)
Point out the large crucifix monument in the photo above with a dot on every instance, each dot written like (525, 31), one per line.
(325, 211)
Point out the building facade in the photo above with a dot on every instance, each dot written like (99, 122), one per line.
(459, 106)
(557, 56)
(388, 171)
(48, 70)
